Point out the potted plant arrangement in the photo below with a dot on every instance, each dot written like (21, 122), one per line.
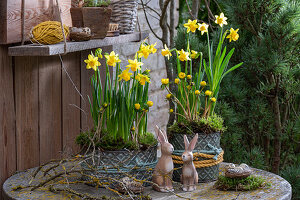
(94, 14)
(120, 143)
(195, 100)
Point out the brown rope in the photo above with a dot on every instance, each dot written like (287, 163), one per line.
(23, 21)
(62, 27)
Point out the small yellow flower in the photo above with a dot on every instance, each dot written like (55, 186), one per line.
(142, 79)
(171, 110)
(176, 80)
(150, 103)
(191, 25)
(168, 96)
(194, 54)
(133, 128)
(233, 35)
(208, 93)
(134, 65)
(166, 52)
(181, 75)
(221, 20)
(125, 75)
(203, 28)
(137, 106)
(105, 105)
(183, 56)
(152, 49)
(165, 81)
(112, 59)
(189, 77)
(92, 62)
(189, 87)
(144, 51)
(213, 99)
(197, 92)
(203, 83)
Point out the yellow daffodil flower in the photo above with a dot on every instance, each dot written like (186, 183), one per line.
(181, 75)
(92, 62)
(203, 83)
(197, 92)
(176, 80)
(168, 96)
(125, 75)
(152, 49)
(166, 52)
(112, 59)
(208, 93)
(233, 35)
(203, 28)
(137, 106)
(189, 77)
(142, 79)
(191, 25)
(183, 56)
(194, 54)
(150, 103)
(165, 81)
(144, 51)
(221, 20)
(171, 110)
(213, 99)
(134, 65)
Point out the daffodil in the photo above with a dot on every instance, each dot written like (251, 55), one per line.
(176, 80)
(144, 51)
(208, 93)
(165, 81)
(203, 28)
(150, 103)
(134, 65)
(92, 62)
(125, 75)
(233, 35)
(142, 79)
(166, 52)
(137, 106)
(112, 59)
(152, 49)
(191, 25)
(213, 99)
(181, 75)
(183, 56)
(221, 20)
(203, 83)
(194, 54)
(197, 92)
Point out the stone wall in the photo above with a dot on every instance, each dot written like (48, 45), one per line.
(159, 112)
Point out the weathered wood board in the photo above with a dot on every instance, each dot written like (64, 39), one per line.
(36, 11)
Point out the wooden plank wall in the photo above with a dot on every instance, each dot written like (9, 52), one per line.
(40, 108)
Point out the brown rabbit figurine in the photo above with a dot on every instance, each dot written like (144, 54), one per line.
(189, 175)
(162, 175)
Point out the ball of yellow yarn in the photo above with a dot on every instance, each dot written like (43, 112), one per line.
(48, 32)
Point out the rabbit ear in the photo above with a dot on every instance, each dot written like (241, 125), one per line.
(193, 143)
(165, 135)
(186, 142)
(160, 136)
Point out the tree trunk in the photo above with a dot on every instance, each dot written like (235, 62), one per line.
(195, 8)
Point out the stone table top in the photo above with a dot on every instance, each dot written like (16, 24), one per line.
(280, 190)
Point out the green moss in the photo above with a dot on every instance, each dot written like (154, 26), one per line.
(99, 3)
(107, 142)
(249, 183)
(208, 125)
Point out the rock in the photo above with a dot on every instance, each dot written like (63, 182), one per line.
(235, 171)
(129, 185)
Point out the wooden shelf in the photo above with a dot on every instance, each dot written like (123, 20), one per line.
(55, 49)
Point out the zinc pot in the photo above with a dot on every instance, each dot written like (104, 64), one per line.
(118, 164)
(205, 174)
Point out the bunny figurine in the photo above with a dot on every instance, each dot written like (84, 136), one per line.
(162, 175)
(189, 175)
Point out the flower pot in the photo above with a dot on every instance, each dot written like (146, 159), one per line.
(97, 19)
(77, 18)
(116, 164)
(205, 174)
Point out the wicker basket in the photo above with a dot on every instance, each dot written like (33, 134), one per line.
(125, 14)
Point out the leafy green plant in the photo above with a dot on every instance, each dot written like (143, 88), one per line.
(96, 3)
(292, 175)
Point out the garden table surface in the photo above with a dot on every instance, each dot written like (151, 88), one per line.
(280, 189)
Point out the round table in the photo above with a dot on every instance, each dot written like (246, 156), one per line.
(280, 189)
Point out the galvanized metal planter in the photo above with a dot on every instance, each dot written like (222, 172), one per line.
(118, 164)
(205, 174)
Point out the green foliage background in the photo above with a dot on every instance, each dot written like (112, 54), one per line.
(269, 46)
